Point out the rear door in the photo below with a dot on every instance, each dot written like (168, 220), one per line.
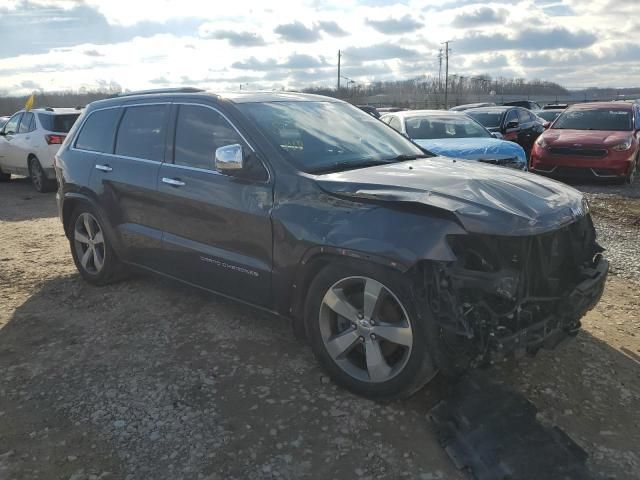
(217, 231)
(21, 143)
(125, 179)
(7, 149)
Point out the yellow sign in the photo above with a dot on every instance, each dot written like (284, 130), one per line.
(29, 105)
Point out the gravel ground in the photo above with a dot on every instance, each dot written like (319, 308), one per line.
(147, 379)
(616, 210)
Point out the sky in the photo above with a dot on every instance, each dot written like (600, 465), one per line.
(263, 44)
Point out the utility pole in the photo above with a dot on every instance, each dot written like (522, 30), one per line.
(440, 70)
(339, 55)
(446, 73)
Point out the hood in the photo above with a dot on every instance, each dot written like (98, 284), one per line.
(488, 149)
(599, 138)
(484, 199)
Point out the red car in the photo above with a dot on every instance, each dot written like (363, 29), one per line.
(591, 140)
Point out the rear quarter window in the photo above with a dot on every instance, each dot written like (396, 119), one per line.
(58, 123)
(98, 131)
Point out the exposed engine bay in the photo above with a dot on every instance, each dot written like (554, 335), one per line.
(512, 295)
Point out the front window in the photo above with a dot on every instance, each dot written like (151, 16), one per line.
(328, 136)
(488, 119)
(443, 126)
(595, 119)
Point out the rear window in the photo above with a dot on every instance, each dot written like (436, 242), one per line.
(488, 119)
(595, 119)
(142, 132)
(98, 131)
(58, 123)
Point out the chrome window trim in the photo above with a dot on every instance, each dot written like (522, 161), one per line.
(137, 159)
(171, 163)
(194, 169)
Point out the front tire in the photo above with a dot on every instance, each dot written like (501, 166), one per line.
(39, 179)
(633, 171)
(4, 177)
(365, 331)
(94, 257)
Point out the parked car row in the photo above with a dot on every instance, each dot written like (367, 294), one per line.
(454, 134)
(29, 141)
(393, 263)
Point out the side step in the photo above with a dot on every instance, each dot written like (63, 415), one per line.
(491, 431)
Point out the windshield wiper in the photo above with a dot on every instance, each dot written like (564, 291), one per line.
(404, 158)
(339, 166)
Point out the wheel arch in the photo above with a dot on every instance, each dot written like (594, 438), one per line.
(314, 261)
(71, 200)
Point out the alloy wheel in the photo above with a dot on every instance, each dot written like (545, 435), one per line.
(365, 329)
(88, 241)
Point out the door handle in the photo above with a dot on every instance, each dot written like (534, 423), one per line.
(104, 168)
(174, 182)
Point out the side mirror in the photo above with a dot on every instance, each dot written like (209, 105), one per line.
(546, 125)
(229, 159)
(497, 135)
(512, 125)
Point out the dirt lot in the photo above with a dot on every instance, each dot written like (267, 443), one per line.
(147, 379)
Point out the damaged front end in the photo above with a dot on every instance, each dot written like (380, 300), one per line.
(513, 295)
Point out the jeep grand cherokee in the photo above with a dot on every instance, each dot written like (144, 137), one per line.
(394, 263)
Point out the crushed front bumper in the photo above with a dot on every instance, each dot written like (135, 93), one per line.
(514, 295)
(548, 333)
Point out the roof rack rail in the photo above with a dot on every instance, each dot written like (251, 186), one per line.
(48, 109)
(162, 90)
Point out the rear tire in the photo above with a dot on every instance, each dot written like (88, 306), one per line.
(376, 346)
(39, 179)
(4, 177)
(92, 253)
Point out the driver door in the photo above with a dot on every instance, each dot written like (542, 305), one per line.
(217, 230)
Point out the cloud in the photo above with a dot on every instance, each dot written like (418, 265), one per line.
(481, 16)
(93, 53)
(298, 32)
(293, 62)
(29, 84)
(236, 39)
(394, 26)
(380, 51)
(33, 28)
(332, 28)
(490, 62)
(526, 39)
(367, 70)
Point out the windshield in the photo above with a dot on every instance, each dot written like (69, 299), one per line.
(443, 126)
(548, 115)
(595, 119)
(58, 123)
(321, 136)
(488, 119)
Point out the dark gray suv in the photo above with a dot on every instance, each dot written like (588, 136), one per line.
(393, 263)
